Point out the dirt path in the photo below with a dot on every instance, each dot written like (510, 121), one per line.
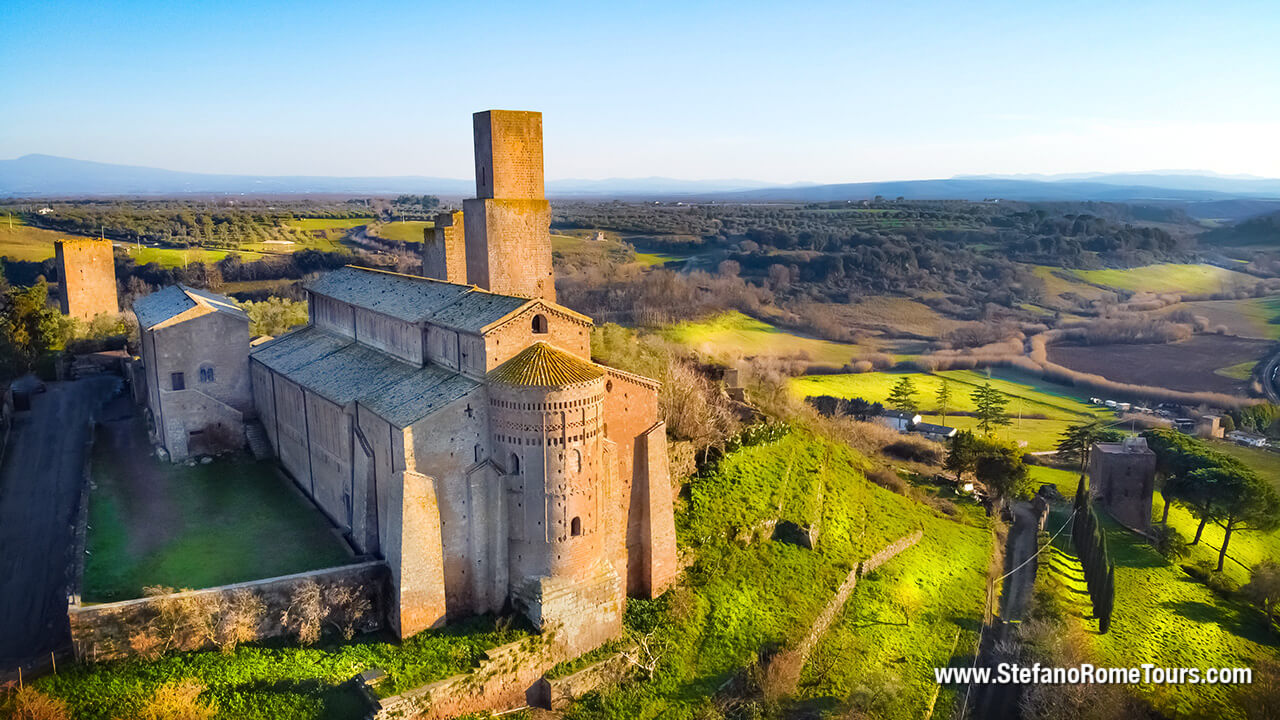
(39, 491)
(1000, 702)
(1021, 546)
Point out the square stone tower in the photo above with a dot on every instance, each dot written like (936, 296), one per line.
(508, 223)
(86, 277)
(1122, 478)
(444, 252)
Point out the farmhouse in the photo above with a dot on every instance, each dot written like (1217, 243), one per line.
(462, 432)
(899, 420)
(934, 432)
(1248, 439)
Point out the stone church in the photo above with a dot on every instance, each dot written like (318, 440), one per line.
(456, 426)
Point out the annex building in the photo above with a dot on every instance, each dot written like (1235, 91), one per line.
(456, 426)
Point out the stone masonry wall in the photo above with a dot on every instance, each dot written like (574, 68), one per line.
(87, 276)
(101, 632)
(444, 252)
(508, 154)
(509, 246)
(508, 678)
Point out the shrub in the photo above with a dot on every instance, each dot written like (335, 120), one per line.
(917, 449)
(1169, 542)
(888, 479)
(306, 612)
(178, 700)
(27, 703)
(1220, 584)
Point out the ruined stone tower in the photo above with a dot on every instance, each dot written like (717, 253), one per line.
(87, 278)
(444, 251)
(508, 223)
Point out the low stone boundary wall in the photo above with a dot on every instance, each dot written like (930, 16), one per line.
(508, 678)
(785, 667)
(556, 694)
(102, 632)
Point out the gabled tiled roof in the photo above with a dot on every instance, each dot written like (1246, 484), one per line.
(418, 299)
(166, 304)
(541, 365)
(343, 371)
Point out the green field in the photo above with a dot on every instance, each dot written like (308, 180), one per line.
(23, 242)
(409, 231)
(156, 523)
(1169, 278)
(745, 591)
(178, 257)
(1239, 371)
(1057, 289)
(1046, 409)
(732, 335)
(1164, 617)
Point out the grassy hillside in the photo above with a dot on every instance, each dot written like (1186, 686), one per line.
(734, 335)
(1163, 617)
(745, 592)
(1169, 278)
(1046, 409)
(19, 241)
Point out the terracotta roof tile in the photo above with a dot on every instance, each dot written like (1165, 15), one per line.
(541, 365)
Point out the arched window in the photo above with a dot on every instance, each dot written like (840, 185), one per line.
(577, 460)
(479, 454)
(514, 466)
(540, 324)
(206, 374)
(575, 526)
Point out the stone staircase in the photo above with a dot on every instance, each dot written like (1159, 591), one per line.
(256, 435)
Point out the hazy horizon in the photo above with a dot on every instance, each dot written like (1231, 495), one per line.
(836, 93)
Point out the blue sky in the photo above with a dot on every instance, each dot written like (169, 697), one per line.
(816, 91)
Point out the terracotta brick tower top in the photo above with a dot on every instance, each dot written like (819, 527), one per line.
(508, 223)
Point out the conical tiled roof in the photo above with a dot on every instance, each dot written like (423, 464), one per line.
(541, 365)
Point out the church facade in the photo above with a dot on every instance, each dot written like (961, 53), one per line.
(456, 426)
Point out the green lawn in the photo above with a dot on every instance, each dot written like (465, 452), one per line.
(1169, 278)
(733, 335)
(745, 591)
(1052, 405)
(309, 224)
(154, 523)
(271, 681)
(410, 231)
(177, 257)
(1162, 616)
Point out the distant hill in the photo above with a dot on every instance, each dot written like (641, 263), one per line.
(978, 189)
(1261, 230)
(46, 175)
